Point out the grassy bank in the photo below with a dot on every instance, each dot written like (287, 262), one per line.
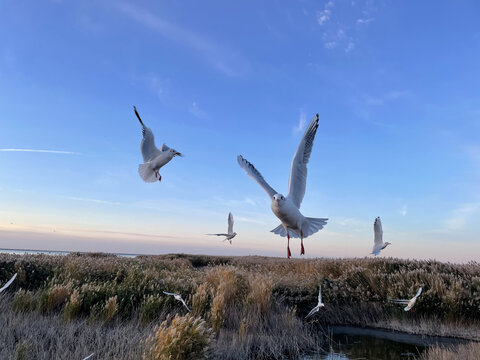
(248, 306)
(470, 351)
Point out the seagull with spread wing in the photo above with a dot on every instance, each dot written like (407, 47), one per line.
(293, 223)
(230, 234)
(319, 305)
(410, 303)
(177, 297)
(153, 158)
(8, 283)
(378, 244)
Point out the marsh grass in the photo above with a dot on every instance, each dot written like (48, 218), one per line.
(470, 351)
(254, 305)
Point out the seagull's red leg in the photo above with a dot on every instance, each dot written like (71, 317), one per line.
(288, 246)
(302, 251)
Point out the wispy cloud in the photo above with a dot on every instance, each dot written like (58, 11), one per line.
(302, 121)
(364, 21)
(221, 58)
(93, 200)
(461, 215)
(195, 110)
(339, 25)
(41, 151)
(403, 210)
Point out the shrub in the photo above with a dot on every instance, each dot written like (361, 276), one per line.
(180, 338)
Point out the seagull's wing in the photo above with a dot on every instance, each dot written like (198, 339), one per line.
(230, 223)
(298, 170)
(8, 283)
(89, 356)
(218, 234)
(313, 311)
(148, 148)
(183, 302)
(418, 293)
(255, 175)
(399, 301)
(167, 293)
(319, 295)
(165, 147)
(378, 231)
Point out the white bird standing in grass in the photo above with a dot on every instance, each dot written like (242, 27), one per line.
(410, 303)
(294, 224)
(177, 297)
(230, 234)
(153, 158)
(378, 244)
(319, 305)
(8, 283)
(89, 356)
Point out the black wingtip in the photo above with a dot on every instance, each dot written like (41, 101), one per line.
(138, 115)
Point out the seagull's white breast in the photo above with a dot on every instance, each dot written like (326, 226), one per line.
(288, 213)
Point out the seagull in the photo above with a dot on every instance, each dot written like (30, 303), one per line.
(230, 235)
(293, 223)
(89, 356)
(410, 303)
(319, 305)
(177, 297)
(378, 244)
(8, 283)
(153, 158)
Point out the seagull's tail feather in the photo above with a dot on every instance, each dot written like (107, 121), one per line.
(146, 173)
(279, 230)
(312, 225)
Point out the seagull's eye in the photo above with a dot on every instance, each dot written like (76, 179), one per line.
(281, 198)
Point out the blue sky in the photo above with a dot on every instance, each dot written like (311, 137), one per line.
(396, 85)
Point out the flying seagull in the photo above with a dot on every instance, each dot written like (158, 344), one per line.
(319, 305)
(230, 234)
(410, 303)
(294, 224)
(378, 244)
(8, 283)
(153, 158)
(89, 356)
(177, 297)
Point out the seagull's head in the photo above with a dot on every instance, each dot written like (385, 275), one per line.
(175, 153)
(387, 243)
(279, 198)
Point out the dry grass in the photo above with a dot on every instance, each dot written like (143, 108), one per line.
(470, 351)
(180, 338)
(255, 305)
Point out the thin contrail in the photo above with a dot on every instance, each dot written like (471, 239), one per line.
(41, 151)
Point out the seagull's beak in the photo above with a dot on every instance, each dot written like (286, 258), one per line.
(176, 153)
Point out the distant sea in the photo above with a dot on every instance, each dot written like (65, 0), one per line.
(50, 252)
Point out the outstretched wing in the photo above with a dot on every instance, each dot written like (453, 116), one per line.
(255, 175)
(183, 301)
(298, 171)
(418, 293)
(230, 223)
(399, 301)
(319, 295)
(89, 356)
(148, 148)
(8, 283)
(313, 311)
(378, 231)
(218, 234)
(167, 293)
